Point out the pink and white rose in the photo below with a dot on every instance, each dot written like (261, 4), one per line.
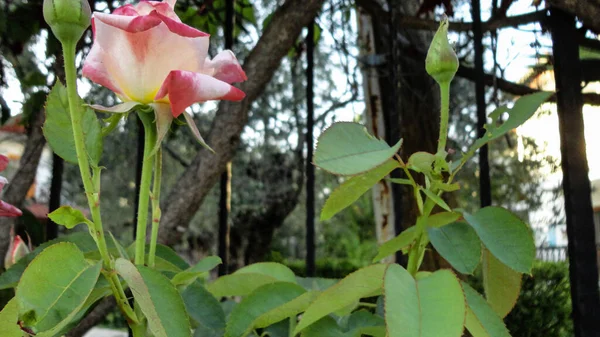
(146, 55)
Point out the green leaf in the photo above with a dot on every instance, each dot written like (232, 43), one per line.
(189, 275)
(521, 111)
(352, 189)
(101, 290)
(265, 306)
(59, 132)
(244, 281)
(421, 162)
(122, 251)
(204, 310)
(445, 187)
(364, 282)
(442, 219)
(8, 320)
(347, 149)
(166, 258)
(54, 288)
(502, 285)
(437, 199)
(69, 217)
(10, 278)
(325, 327)
(505, 236)
(316, 283)
(458, 244)
(481, 320)
(362, 323)
(276, 270)
(158, 299)
(401, 241)
(433, 306)
(289, 309)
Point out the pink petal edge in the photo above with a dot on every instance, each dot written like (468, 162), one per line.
(186, 88)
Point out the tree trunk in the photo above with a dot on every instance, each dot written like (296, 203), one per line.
(188, 193)
(383, 199)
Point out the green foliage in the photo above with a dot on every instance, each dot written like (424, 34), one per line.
(8, 320)
(268, 304)
(69, 217)
(458, 244)
(204, 310)
(521, 111)
(430, 306)
(353, 188)
(348, 149)
(244, 281)
(481, 320)
(59, 132)
(401, 241)
(192, 273)
(158, 299)
(54, 288)
(544, 305)
(501, 284)
(505, 236)
(329, 268)
(365, 282)
(166, 258)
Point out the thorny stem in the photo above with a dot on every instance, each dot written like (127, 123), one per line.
(444, 115)
(147, 164)
(417, 250)
(156, 213)
(92, 192)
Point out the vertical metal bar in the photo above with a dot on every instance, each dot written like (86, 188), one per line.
(392, 123)
(485, 189)
(225, 183)
(55, 191)
(310, 169)
(583, 270)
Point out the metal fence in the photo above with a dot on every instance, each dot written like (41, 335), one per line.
(552, 254)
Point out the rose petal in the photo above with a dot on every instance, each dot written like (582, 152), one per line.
(128, 10)
(95, 69)
(181, 29)
(185, 88)
(3, 182)
(8, 210)
(3, 164)
(131, 24)
(137, 63)
(225, 67)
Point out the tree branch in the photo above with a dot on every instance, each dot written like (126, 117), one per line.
(515, 88)
(192, 187)
(493, 24)
(586, 11)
